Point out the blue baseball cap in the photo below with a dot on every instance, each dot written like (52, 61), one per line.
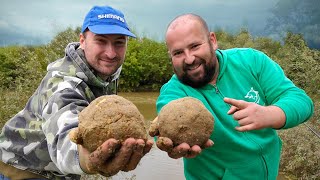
(106, 20)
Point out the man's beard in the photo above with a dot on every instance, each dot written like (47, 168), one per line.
(209, 71)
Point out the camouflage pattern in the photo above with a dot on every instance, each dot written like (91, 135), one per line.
(36, 139)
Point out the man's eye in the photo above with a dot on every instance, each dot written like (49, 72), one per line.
(120, 43)
(195, 46)
(100, 41)
(177, 53)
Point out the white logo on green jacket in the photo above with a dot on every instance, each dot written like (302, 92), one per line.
(253, 96)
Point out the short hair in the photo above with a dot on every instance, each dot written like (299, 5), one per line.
(193, 17)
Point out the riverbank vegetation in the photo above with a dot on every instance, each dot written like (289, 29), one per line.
(147, 67)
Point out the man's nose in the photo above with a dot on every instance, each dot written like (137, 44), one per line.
(110, 51)
(189, 57)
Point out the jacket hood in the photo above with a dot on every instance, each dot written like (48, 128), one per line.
(75, 64)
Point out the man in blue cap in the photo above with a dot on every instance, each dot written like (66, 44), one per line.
(34, 144)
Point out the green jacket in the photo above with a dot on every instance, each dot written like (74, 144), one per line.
(249, 75)
(36, 139)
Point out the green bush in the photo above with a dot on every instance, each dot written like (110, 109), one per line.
(146, 67)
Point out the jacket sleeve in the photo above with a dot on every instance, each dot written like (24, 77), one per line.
(282, 92)
(60, 116)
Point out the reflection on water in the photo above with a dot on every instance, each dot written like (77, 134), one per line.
(145, 102)
(156, 165)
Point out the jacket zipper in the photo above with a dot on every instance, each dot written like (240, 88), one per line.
(216, 88)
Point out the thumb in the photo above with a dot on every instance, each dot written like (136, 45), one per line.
(154, 127)
(75, 136)
(164, 144)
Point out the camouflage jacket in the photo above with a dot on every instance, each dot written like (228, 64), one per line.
(36, 139)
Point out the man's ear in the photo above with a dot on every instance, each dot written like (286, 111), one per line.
(82, 40)
(213, 40)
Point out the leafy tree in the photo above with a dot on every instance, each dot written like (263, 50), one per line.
(56, 48)
(243, 39)
(17, 65)
(146, 66)
(7, 73)
(225, 40)
(268, 46)
(299, 63)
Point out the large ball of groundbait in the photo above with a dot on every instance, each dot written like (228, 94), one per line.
(109, 116)
(186, 120)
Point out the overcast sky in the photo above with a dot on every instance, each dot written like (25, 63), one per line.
(38, 21)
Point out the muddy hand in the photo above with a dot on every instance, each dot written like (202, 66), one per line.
(181, 150)
(175, 152)
(112, 157)
(91, 162)
(140, 150)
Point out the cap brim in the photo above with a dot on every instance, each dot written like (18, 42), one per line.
(110, 29)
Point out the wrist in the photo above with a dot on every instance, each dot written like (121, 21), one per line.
(278, 117)
(83, 157)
